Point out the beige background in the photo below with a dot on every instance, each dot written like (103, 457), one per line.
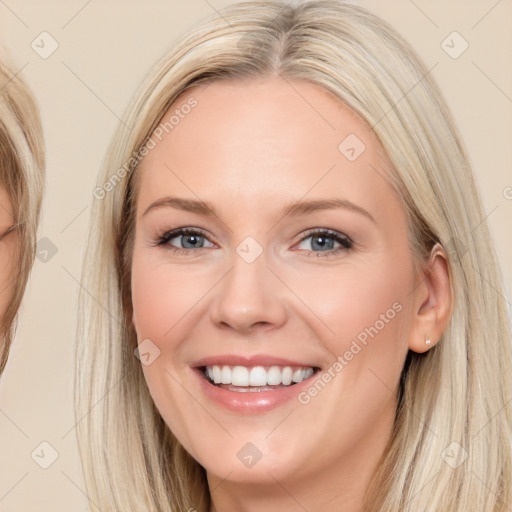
(105, 48)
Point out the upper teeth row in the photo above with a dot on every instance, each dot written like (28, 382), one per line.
(257, 375)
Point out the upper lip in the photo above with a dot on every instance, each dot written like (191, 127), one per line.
(249, 360)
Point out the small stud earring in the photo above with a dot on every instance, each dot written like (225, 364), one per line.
(427, 341)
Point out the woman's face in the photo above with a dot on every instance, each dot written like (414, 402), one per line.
(300, 263)
(9, 248)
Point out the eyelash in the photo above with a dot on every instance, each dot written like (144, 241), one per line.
(344, 240)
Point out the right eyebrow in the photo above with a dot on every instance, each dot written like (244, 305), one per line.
(293, 209)
(188, 205)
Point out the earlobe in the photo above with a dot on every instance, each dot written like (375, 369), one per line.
(433, 302)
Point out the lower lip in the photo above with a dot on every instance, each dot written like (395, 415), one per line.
(251, 402)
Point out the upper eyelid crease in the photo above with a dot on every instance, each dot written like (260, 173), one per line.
(294, 209)
(341, 238)
(8, 230)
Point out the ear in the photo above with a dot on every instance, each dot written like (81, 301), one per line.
(433, 302)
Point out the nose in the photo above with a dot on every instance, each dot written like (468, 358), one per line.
(249, 298)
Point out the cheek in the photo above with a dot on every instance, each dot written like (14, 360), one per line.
(9, 253)
(161, 297)
(365, 314)
(350, 299)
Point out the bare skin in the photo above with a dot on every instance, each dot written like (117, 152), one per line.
(9, 248)
(250, 149)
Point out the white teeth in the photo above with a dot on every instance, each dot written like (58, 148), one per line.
(298, 375)
(286, 377)
(274, 376)
(239, 376)
(257, 376)
(225, 375)
(307, 373)
(216, 375)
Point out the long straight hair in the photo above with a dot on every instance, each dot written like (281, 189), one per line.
(22, 175)
(454, 398)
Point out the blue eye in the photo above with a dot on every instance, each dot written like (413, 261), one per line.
(191, 237)
(323, 240)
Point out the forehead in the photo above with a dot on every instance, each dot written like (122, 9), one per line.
(246, 140)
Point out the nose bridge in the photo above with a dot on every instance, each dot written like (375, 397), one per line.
(249, 293)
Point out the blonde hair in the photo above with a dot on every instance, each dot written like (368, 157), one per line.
(22, 174)
(455, 393)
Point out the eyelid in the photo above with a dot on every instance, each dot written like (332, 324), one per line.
(325, 231)
(8, 230)
(163, 239)
(346, 242)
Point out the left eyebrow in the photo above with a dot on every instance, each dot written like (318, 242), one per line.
(293, 209)
(181, 203)
(304, 207)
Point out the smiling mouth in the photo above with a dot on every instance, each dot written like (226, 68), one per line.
(256, 378)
